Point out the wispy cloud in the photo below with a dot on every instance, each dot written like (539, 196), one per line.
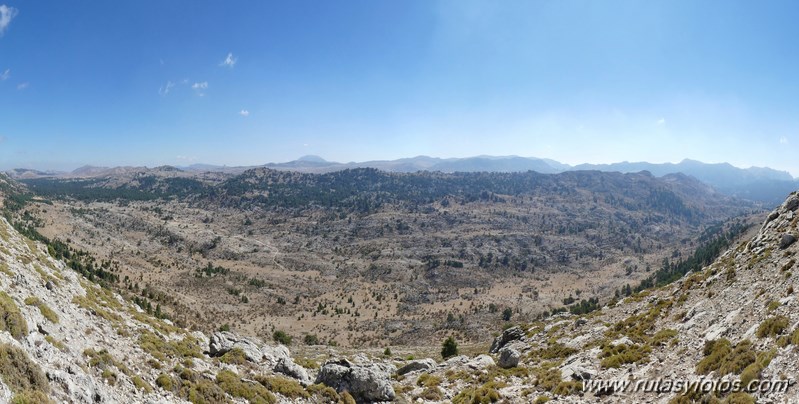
(185, 158)
(229, 61)
(6, 15)
(660, 122)
(200, 88)
(5, 75)
(166, 88)
(22, 86)
(783, 140)
(244, 112)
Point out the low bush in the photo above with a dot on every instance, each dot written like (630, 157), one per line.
(234, 356)
(20, 374)
(255, 393)
(11, 319)
(772, 326)
(284, 386)
(613, 356)
(487, 393)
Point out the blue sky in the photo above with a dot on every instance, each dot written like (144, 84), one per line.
(250, 82)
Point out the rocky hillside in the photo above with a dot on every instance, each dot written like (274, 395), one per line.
(728, 333)
(66, 339)
(364, 258)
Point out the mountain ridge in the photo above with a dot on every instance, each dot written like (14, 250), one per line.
(760, 184)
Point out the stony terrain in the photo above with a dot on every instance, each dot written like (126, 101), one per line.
(65, 338)
(368, 259)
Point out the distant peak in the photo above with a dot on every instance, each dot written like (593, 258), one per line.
(312, 158)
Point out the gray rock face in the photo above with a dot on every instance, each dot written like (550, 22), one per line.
(511, 334)
(366, 383)
(417, 365)
(791, 203)
(291, 369)
(222, 342)
(786, 240)
(277, 358)
(509, 358)
(481, 362)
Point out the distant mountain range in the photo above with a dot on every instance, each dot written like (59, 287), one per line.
(759, 184)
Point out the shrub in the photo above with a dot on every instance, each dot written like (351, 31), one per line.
(281, 337)
(616, 355)
(20, 374)
(311, 339)
(141, 384)
(449, 348)
(715, 352)
(772, 326)
(387, 352)
(486, 393)
(255, 393)
(234, 356)
(752, 371)
(328, 394)
(11, 319)
(48, 313)
(428, 380)
(553, 351)
(663, 336)
(31, 397)
(165, 382)
(204, 392)
(284, 386)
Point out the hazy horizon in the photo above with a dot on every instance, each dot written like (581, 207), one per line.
(72, 168)
(247, 83)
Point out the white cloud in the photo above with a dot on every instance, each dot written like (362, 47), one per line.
(5, 75)
(244, 112)
(6, 14)
(200, 88)
(783, 140)
(229, 61)
(22, 86)
(166, 88)
(185, 158)
(661, 122)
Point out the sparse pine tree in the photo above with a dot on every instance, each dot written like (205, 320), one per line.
(449, 348)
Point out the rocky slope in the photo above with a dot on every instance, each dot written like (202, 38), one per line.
(369, 258)
(65, 339)
(708, 337)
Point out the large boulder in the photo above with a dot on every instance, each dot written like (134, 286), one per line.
(791, 203)
(481, 362)
(511, 334)
(222, 342)
(417, 365)
(509, 358)
(276, 358)
(366, 383)
(786, 240)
